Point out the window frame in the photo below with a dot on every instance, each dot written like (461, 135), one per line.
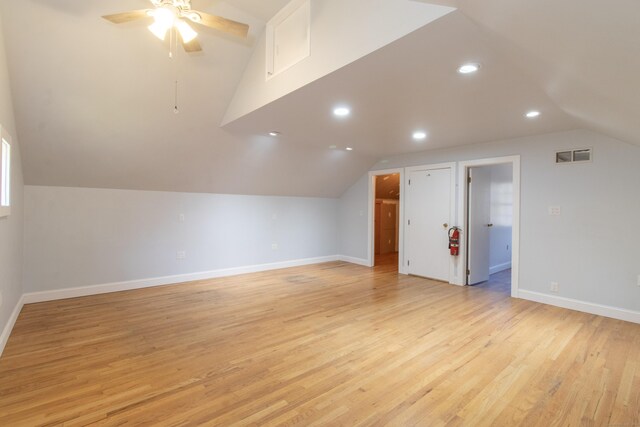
(5, 173)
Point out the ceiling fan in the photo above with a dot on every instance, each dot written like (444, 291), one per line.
(176, 14)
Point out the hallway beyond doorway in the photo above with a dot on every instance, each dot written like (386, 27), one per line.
(498, 282)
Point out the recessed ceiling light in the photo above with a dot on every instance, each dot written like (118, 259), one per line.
(385, 178)
(333, 147)
(349, 149)
(274, 133)
(532, 114)
(419, 135)
(468, 68)
(341, 111)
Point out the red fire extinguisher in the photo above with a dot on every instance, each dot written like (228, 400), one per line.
(454, 241)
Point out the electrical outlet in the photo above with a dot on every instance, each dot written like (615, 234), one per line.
(274, 246)
(181, 255)
(555, 287)
(555, 210)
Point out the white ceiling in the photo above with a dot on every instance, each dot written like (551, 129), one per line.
(585, 54)
(94, 107)
(262, 9)
(413, 84)
(93, 101)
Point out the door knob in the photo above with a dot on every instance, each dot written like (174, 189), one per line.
(445, 225)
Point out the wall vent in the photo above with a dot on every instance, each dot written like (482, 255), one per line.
(580, 155)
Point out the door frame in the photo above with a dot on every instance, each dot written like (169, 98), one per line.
(452, 209)
(371, 213)
(463, 213)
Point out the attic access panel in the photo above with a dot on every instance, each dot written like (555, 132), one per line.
(288, 37)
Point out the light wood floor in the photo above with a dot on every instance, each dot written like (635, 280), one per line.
(498, 282)
(334, 344)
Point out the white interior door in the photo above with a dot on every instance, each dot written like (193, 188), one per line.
(479, 224)
(428, 217)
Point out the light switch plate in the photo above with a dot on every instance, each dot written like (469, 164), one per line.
(555, 287)
(181, 255)
(274, 246)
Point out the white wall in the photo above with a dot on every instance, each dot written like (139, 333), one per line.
(81, 237)
(501, 216)
(11, 226)
(352, 220)
(584, 249)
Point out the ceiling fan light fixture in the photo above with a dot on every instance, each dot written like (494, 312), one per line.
(186, 32)
(158, 30)
(165, 16)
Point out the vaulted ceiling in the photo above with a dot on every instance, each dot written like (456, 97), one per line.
(94, 101)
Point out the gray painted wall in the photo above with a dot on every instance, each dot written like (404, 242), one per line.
(352, 216)
(11, 226)
(585, 249)
(81, 236)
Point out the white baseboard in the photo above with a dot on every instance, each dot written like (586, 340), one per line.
(586, 307)
(353, 260)
(500, 267)
(6, 332)
(34, 297)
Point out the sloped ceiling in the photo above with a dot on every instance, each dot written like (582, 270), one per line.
(93, 101)
(413, 84)
(583, 53)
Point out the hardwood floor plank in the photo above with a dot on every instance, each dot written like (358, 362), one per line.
(331, 344)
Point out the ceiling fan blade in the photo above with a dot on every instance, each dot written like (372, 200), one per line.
(223, 24)
(121, 18)
(192, 46)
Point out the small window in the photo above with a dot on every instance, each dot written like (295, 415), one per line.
(5, 174)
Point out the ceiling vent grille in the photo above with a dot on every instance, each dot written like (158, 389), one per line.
(580, 155)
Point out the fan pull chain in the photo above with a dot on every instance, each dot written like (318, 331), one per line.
(175, 107)
(173, 44)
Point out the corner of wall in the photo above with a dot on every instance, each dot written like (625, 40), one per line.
(12, 226)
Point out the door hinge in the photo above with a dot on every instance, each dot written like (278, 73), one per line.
(409, 222)
(469, 180)
(408, 262)
(468, 272)
(409, 182)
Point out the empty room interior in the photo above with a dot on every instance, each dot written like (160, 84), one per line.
(319, 213)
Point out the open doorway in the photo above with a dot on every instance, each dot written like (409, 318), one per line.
(491, 206)
(386, 229)
(490, 226)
